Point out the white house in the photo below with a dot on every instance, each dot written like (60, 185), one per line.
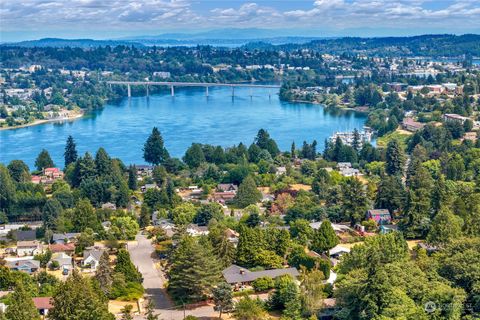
(195, 230)
(91, 257)
(29, 248)
(63, 259)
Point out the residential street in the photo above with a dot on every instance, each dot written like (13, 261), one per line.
(141, 255)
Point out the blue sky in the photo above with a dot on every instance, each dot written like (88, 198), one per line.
(104, 19)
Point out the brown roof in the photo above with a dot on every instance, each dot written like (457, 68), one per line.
(329, 302)
(27, 244)
(43, 302)
(313, 254)
(59, 247)
(412, 123)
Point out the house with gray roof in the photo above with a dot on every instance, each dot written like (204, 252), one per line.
(237, 276)
(61, 238)
(24, 235)
(28, 265)
(91, 257)
(63, 259)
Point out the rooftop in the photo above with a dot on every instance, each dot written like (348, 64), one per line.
(43, 302)
(236, 274)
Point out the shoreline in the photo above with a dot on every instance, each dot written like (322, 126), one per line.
(43, 121)
(325, 106)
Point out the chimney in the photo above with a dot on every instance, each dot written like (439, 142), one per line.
(242, 271)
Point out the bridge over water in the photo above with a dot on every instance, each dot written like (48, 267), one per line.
(206, 85)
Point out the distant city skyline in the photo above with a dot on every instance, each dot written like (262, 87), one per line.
(99, 19)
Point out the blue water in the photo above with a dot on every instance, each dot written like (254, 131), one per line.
(188, 117)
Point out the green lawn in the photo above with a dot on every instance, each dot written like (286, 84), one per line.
(400, 135)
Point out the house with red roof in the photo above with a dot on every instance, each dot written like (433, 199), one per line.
(43, 304)
(62, 247)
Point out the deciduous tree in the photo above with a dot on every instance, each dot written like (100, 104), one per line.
(22, 307)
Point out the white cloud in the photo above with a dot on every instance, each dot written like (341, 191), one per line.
(247, 13)
(381, 13)
(183, 14)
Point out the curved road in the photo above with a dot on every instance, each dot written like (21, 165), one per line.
(153, 282)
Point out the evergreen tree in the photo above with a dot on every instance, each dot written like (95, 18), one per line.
(76, 299)
(22, 307)
(70, 153)
(286, 291)
(223, 298)
(150, 311)
(103, 163)
(262, 138)
(253, 220)
(249, 243)
(127, 312)
(395, 158)
(440, 196)
(254, 152)
(154, 150)
(43, 160)
(321, 183)
(86, 168)
(194, 270)
(324, 238)
(132, 177)
(223, 248)
(144, 220)
(293, 150)
(391, 194)
(247, 193)
(353, 199)
(51, 211)
(356, 140)
(8, 196)
(104, 274)
(126, 267)
(264, 141)
(417, 217)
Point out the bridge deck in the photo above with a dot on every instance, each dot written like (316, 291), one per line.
(192, 84)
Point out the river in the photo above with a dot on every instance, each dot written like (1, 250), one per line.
(190, 116)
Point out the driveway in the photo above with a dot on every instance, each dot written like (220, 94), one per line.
(153, 282)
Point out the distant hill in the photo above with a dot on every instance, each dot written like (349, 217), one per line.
(79, 43)
(227, 34)
(423, 45)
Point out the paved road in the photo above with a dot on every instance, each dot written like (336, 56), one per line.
(153, 282)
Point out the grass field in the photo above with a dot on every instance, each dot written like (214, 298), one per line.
(399, 134)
